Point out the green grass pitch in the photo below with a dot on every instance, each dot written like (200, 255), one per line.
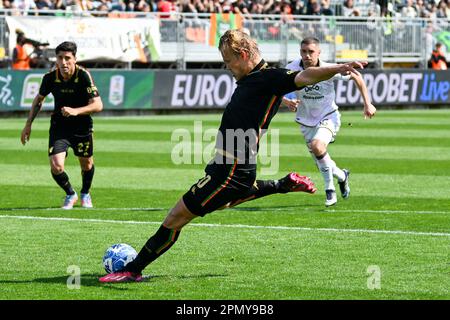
(390, 240)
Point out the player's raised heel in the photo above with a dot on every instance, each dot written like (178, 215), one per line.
(344, 185)
(69, 201)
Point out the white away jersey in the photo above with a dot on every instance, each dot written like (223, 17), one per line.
(316, 101)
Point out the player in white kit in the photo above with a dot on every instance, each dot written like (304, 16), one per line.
(319, 118)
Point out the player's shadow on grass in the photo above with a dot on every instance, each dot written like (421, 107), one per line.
(91, 280)
(88, 280)
(191, 276)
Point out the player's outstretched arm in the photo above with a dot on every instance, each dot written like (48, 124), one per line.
(35, 108)
(313, 75)
(369, 108)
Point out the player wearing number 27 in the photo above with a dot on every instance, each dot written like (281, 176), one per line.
(319, 118)
(76, 98)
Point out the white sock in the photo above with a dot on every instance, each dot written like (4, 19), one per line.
(337, 172)
(325, 166)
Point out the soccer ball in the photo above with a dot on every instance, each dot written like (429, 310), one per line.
(118, 256)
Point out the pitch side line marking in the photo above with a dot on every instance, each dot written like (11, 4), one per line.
(83, 209)
(211, 225)
(388, 211)
(237, 209)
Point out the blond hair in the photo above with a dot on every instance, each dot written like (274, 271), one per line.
(237, 41)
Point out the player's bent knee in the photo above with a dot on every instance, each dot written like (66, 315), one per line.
(318, 147)
(57, 163)
(86, 164)
(178, 217)
(56, 168)
(86, 167)
(57, 172)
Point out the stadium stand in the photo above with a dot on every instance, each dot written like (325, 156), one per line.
(404, 8)
(396, 33)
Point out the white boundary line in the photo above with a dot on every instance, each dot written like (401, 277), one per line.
(83, 209)
(237, 209)
(210, 225)
(388, 211)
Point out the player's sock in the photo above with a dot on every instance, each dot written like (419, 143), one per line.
(62, 180)
(325, 165)
(315, 159)
(159, 243)
(337, 172)
(263, 188)
(87, 177)
(260, 189)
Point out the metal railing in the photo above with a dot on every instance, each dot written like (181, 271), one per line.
(185, 37)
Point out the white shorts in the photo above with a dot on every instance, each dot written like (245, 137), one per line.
(324, 131)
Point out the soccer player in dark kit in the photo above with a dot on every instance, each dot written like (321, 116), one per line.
(231, 176)
(76, 98)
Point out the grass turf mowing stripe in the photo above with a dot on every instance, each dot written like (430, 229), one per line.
(289, 130)
(301, 163)
(285, 126)
(284, 138)
(174, 148)
(387, 185)
(401, 115)
(271, 209)
(211, 225)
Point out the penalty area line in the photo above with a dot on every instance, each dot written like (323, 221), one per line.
(238, 226)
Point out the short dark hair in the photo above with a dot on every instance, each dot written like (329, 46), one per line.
(310, 40)
(67, 46)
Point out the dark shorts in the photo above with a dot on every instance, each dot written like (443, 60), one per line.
(82, 145)
(222, 184)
